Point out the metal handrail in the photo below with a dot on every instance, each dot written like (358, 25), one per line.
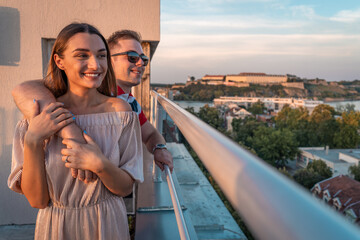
(271, 205)
(183, 231)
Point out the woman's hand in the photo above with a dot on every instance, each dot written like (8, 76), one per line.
(45, 124)
(86, 156)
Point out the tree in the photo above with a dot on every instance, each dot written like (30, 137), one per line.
(349, 107)
(347, 136)
(355, 171)
(320, 167)
(191, 110)
(211, 116)
(284, 171)
(307, 178)
(291, 118)
(257, 108)
(274, 146)
(218, 93)
(315, 172)
(245, 128)
(323, 126)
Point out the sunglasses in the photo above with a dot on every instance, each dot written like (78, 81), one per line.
(133, 57)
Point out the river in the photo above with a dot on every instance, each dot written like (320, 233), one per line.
(197, 105)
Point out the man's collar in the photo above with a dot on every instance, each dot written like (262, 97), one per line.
(120, 90)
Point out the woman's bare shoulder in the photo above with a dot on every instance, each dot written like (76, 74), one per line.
(117, 105)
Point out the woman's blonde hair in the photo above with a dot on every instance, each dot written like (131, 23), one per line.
(56, 80)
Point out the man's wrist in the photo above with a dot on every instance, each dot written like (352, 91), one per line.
(158, 146)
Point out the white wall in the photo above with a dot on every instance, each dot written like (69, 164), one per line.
(22, 25)
(348, 158)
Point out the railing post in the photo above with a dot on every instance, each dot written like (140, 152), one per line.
(157, 117)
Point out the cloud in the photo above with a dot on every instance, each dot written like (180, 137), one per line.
(232, 22)
(347, 16)
(227, 24)
(187, 46)
(303, 11)
(223, 37)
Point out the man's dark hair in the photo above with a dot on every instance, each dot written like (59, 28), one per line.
(123, 34)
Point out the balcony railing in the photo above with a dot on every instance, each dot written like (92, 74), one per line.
(272, 206)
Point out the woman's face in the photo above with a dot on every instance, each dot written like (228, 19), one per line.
(84, 61)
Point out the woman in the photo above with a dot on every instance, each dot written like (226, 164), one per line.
(81, 77)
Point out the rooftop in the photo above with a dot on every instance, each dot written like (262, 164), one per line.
(346, 189)
(332, 155)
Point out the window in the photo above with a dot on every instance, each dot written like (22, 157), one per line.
(46, 46)
(350, 215)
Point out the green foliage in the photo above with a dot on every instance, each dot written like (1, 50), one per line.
(320, 167)
(307, 178)
(292, 118)
(349, 107)
(208, 93)
(243, 129)
(284, 171)
(322, 126)
(315, 172)
(211, 116)
(257, 108)
(346, 137)
(274, 146)
(355, 171)
(191, 110)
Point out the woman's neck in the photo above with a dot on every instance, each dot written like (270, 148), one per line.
(82, 101)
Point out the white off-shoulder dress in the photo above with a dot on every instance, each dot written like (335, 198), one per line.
(78, 210)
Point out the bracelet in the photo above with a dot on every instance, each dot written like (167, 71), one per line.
(159, 146)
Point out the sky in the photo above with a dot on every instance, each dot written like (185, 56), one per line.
(307, 38)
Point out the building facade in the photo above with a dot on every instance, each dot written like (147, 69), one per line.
(273, 104)
(338, 160)
(213, 79)
(28, 30)
(256, 78)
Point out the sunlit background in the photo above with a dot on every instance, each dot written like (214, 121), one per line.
(308, 38)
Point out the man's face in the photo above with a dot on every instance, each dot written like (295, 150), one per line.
(127, 74)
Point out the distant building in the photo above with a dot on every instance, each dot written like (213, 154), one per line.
(265, 118)
(178, 85)
(234, 112)
(293, 85)
(213, 79)
(339, 160)
(165, 92)
(341, 193)
(256, 78)
(241, 80)
(317, 82)
(272, 104)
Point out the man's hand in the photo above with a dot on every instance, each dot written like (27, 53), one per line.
(46, 123)
(162, 157)
(151, 137)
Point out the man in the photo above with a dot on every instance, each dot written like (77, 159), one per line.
(129, 64)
